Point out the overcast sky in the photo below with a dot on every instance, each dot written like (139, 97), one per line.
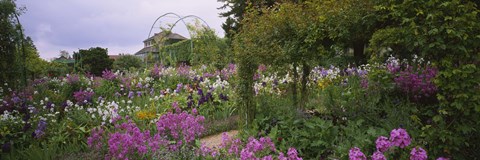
(119, 25)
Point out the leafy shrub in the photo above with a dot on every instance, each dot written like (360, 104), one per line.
(127, 62)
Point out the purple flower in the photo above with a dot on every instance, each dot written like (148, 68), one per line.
(418, 154)
(108, 75)
(40, 131)
(139, 93)
(152, 91)
(155, 73)
(262, 68)
(95, 139)
(130, 95)
(382, 144)
(6, 147)
(443, 158)
(71, 79)
(378, 156)
(223, 97)
(83, 97)
(181, 127)
(179, 88)
(293, 154)
(400, 138)
(356, 154)
(183, 70)
(139, 85)
(417, 83)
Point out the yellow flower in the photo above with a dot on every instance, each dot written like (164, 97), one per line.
(323, 83)
(145, 115)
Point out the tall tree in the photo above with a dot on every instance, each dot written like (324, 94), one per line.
(236, 10)
(93, 60)
(10, 39)
(64, 53)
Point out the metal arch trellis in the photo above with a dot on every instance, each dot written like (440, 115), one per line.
(180, 18)
(153, 25)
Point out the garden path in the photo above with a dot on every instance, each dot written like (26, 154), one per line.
(216, 140)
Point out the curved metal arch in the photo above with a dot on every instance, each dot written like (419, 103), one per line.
(166, 14)
(189, 16)
(182, 19)
(158, 18)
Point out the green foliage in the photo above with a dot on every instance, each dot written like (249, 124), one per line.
(19, 59)
(57, 69)
(35, 65)
(127, 62)
(348, 23)
(176, 53)
(9, 38)
(208, 47)
(446, 32)
(93, 60)
(236, 12)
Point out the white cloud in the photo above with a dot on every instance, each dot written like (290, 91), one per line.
(119, 25)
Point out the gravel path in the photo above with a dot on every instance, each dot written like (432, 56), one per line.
(215, 140)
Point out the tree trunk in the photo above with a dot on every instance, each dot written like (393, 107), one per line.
(358, 52)
(306, 73)
(245, 91)
(294, 85)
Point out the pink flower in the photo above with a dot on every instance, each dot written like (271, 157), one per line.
(382, 144)
(356, 154)
(293, 154)
(418, 154)
(399, 137)
(378, 156)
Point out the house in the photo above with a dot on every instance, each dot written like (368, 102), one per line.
(152, 44)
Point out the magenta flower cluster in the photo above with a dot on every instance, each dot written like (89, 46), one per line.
(156, 71)
(174, 131)
(108, 75)
(400, 138)
(130, 140)
(356, 154)
(83, 97)
(180, 127)
(377, 155)
(183, 70)
(418, 154)
(72, 78)
(417, 83)
(95, 139)
(256, 149)
(382, 144)
(257, 146)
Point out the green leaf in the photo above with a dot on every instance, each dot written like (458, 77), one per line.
(437, 118)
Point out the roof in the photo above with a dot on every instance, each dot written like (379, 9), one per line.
(170, 36)
(149, 49)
